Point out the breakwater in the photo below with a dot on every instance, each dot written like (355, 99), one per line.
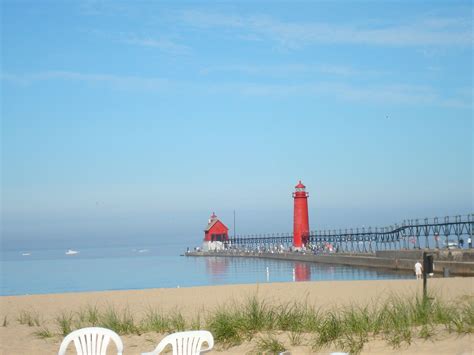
(453, 262)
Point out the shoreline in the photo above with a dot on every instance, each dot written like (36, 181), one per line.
(463, 285)
(390, 271)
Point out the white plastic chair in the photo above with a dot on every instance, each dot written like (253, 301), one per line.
(91, 341)
(185, 343)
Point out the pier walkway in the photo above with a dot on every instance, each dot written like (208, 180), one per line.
(396, 247)
(448, 262)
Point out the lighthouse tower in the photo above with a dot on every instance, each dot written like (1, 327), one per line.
(300, 217)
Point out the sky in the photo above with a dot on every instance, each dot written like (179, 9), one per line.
(129, 123)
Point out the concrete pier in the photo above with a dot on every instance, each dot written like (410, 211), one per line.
(457, 262)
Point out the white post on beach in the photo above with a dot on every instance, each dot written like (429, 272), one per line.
(268, 275)
(294, 277)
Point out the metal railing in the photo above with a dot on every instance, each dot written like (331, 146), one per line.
(431, 233)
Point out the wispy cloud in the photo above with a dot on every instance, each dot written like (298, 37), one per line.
(376, 94)
(434, 31)
(290, 69)
(163, 44)
(113, 81)
(106, 8)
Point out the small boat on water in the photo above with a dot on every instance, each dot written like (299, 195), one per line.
(71, 252)
(25, 254)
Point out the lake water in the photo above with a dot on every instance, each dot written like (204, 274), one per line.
(124, 268)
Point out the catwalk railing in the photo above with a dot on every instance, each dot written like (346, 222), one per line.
(447, 232)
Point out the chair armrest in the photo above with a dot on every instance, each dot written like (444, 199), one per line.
(210, 345)
(161, 346)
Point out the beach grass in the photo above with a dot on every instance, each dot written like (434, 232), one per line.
(296, 317)
(28, 318)
(295, 338)
(44, 333)
(197, 322)
(120, 321)
(269, 344)
(226, 325)
(89, 315)
(398, 320)
(159, 322)
(155, 321)
(178, 322)
(65, 323)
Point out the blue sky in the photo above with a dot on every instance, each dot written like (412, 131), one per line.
(132, 121)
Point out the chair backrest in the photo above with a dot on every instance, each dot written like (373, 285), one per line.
(91, 341)
(185, 343)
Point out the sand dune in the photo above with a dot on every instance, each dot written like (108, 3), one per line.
(18, 339)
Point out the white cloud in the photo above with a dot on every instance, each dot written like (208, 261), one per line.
(163, 44)
(15, 79)
(290, 69)
(434, 31)
(415, 95)
(106, 8)
(382, 94)
(112, 81)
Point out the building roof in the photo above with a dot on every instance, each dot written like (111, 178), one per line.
(300, 186)
(213, 220)
(211, 223)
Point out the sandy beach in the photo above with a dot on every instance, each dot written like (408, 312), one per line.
(16, 338)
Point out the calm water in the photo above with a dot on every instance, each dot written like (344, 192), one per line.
(52, 271)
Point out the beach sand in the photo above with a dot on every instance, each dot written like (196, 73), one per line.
(17, 339)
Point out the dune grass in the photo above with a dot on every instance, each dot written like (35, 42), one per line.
(65, 322)
(120, 321)
(226, 326)
(397, 320)
(295, 338)
(158, 321)
(88, 315)
(44, 333)
(268, 344)
(197, 322)
(29, 318)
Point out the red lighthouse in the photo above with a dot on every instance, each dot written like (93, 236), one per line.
(300, 217)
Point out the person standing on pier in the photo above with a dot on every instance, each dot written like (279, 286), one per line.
(469, 242)
(418, 270)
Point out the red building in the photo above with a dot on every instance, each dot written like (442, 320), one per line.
(300, 218)
(216, 231)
